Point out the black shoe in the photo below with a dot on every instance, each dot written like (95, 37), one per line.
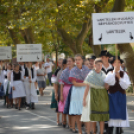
(64, 124)
(19, 108)
(121, 129)
(33, 106)
(74, 131)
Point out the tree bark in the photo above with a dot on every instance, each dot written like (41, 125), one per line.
(67, 39)
(96, 48)
(29, 35)
(14, 36)
(119, 6)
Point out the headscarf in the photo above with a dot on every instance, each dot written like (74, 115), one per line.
(95, 80)
(64, 76)
(78, 74)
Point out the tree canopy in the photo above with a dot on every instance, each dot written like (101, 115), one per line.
(62, 25)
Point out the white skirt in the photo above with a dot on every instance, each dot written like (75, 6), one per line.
(86, 110)
(119, 123)
(19, 89)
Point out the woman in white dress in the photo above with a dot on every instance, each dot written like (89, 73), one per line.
(17, 85)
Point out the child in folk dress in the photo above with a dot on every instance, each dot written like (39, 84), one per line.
(95, 100)
(17, 86)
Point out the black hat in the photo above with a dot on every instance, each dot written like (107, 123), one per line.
(114, 58)
(104, 53)
(64, 62)
(92, 57)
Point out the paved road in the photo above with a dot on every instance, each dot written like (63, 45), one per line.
(39, 121)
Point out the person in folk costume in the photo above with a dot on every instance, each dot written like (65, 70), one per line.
(76, 77)
(2, 77)
(116, 82)
(30, 77)
(17, 85)
(56, 92)
(65, 87)
(95, 100)
(90, 64)
(21, 68)
(91, 61)
(7, 85)
(106, 67)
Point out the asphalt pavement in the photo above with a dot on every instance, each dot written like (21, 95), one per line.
(42, 120)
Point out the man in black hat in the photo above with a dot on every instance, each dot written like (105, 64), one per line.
(106, 67)
(91, 61)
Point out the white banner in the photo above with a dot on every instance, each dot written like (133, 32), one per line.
(29, 52)
(5, 53)
(113, 28)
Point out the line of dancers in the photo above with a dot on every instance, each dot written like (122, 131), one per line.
(91, 90)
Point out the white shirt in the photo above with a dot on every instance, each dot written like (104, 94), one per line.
(40, 72)
(30, 74)
(109, 67)
(124, 82)
(50, 64)
(36, 67)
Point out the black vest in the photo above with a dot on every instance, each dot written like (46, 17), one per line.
(26, 72)
(6, 73)
(109, 70)
(16, 76)
(117, 87)
(21, 68)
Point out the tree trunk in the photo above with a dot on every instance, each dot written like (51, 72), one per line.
(119, 6)
(96, 48)
(14, 36)
(29, 35)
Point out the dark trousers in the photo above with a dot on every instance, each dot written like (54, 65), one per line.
(49, 78)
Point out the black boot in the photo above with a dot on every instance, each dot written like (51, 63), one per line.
(106, 127)
(110, 130)
(121, 130)
(33, 106)
(4, 104)
(118, 130)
